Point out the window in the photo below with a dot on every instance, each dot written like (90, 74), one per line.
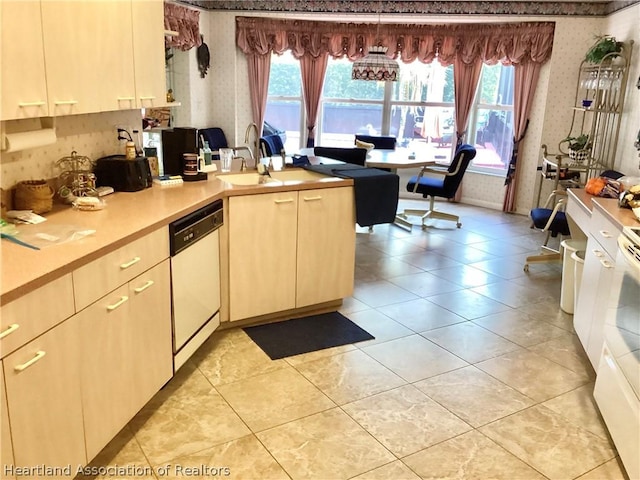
(418, 109)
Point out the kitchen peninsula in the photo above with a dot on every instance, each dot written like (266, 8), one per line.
(96, 374)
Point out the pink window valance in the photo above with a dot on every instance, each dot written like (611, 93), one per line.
(186, 22)
(507, 43)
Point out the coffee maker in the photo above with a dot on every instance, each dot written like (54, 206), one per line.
(175, 142)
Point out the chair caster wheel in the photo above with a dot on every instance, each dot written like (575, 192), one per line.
(424, 227)
(526, 267)
(458, 224)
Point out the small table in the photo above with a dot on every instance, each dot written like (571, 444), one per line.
(395, 159)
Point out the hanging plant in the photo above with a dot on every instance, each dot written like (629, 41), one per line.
(605, 46)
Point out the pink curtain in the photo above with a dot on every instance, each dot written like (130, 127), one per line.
(526, 80)
(186, 22)
(312, 70)
(259, 68)
(493, 42)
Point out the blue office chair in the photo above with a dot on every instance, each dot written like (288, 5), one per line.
(356, 156)
(381, 142)
(552, 220)
(444, 186)
(271, 145)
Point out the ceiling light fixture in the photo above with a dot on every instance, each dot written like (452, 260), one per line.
(375, 65)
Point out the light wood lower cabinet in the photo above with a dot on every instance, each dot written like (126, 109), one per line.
(6, 447)
(43, 395)
(126, 353)
(289, 250)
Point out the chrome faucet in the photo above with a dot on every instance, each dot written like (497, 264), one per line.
(256, 145)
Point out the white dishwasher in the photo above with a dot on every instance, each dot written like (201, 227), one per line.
(195, 279)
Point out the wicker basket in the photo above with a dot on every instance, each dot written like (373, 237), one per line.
(35, 195)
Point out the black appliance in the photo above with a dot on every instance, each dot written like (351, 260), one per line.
(175, 142)
(122, 174)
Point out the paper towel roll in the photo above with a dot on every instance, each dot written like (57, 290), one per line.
(15, 142)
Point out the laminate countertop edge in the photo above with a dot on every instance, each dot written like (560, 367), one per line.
(622, 217)
(127, 217)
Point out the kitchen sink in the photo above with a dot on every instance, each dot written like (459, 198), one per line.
(277, 177)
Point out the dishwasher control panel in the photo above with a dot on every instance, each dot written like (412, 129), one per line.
(190, 228)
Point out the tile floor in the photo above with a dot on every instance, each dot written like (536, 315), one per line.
(474, 373)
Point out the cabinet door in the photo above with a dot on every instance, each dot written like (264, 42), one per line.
(326, 245)
(6, 447)
(107, 368)
(43, 394)
(24, 88)
(262, 253)
(148, 45)
(588, 320)
(150, 319)
(114, 48)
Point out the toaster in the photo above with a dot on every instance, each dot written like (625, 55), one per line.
(122, 174)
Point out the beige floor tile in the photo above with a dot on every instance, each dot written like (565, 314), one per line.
(274, 398)
(380, 326)
(327, 445)
(421, 315)
(186, 416)
(513, 294)
(611, 470)
(377, 294)
(241, 459)
(405, 420)
(568, 352)
(471, 456)
(318, 354)
(520, 328)
(470, 342)
(392, 471)
(468, 304)
(414, 358)
(350, 305)
(545, 440)
(474, 396)
(500, 267)
(123, 457)
(579, 407)
(349, 376)
(466, 276)
(535, 376)
(425, 284)
(389, 267)
(550, 312)
(230, 355)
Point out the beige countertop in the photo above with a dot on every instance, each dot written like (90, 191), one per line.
(623, 217)
(126, 217)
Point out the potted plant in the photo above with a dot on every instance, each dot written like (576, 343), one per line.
(579, 147)
(605, 46)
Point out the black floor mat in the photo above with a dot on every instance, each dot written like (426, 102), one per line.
(306, 334)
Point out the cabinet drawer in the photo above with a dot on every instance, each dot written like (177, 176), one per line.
(34, 313)
(96, 279)
(605, 232)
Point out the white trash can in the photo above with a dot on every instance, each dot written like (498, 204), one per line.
(567, 290)
(578, 258)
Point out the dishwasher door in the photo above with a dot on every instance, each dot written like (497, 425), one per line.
(195, 275)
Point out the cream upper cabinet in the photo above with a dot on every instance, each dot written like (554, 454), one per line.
(262, 245)
(88, 55)
(6, 447)
(148, 53)
(24, 88)
(326, 245)
(43, 394)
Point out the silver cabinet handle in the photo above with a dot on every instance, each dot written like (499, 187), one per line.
(31, 104)
(10, 329)
(131, 262)
(66, 102)
(311, 199)
(22, 366)
(286, 200)
(605, 234)
(143, 287)
(113, 306)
